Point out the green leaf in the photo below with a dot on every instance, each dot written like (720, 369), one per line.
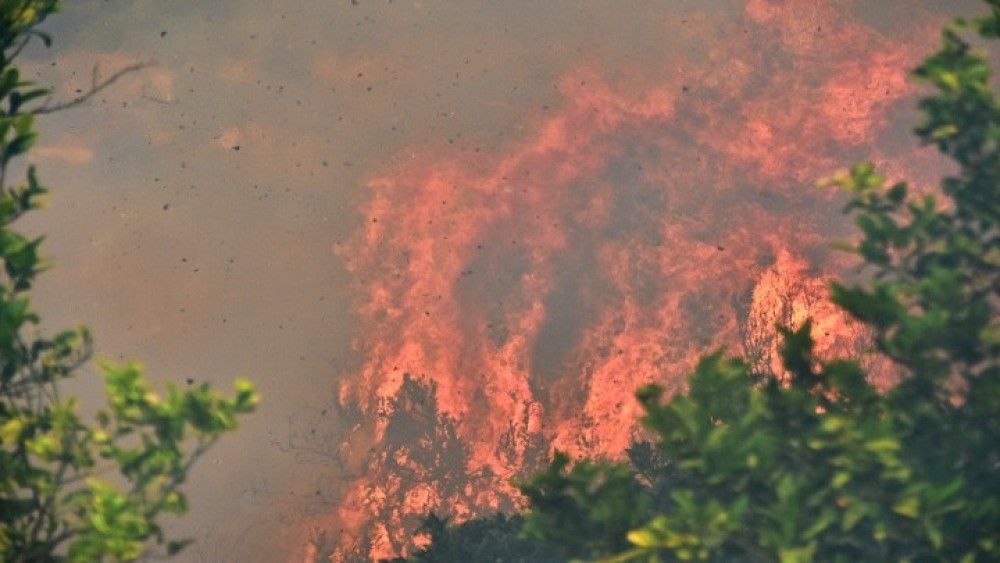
(643, 538)
(797, 555)
(909, 507)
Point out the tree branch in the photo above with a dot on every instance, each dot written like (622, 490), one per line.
(95, 87)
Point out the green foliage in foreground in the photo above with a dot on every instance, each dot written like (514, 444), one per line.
(822, 467)
(493, 540)
(71, 489)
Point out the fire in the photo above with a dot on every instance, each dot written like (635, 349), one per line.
(511, 303)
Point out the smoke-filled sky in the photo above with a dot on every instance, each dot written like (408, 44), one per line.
(261, 202)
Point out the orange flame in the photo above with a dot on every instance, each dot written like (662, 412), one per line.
(532, 291)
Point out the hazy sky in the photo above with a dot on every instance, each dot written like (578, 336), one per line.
(194, 204)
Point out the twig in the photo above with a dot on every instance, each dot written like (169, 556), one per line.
(19, 48)
(94, 88)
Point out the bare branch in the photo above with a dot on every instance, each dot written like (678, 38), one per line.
(95, 87)
(19, 48)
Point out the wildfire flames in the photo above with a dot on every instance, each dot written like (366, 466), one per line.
(511, 303)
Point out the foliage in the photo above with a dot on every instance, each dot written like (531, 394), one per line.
(595, 503)
(822, 466)
(494, 539)
(53, 506)
(580, 514)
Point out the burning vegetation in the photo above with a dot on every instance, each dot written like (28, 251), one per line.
(511, 303)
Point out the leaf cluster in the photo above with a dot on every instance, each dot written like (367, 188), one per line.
(494, 539)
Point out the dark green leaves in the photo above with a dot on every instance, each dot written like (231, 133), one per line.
(588, 508)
